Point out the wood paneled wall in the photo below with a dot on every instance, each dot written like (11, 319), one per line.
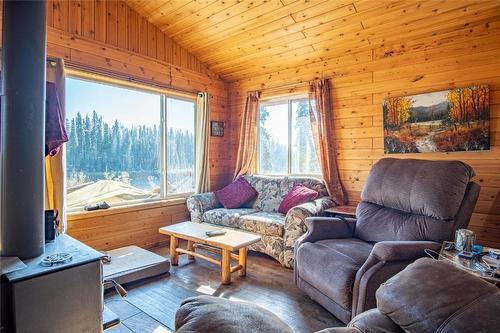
(108, 38)
(435, 61)
(113, 22)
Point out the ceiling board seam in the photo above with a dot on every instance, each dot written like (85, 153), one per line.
(152, 11)
(191, 12)
(150, 17)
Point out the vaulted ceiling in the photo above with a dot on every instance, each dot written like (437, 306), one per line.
(243, 38)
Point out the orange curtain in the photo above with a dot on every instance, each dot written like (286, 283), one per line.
(245, 162)
(321, 115)
(54, 165)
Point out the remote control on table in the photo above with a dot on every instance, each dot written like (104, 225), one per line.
(215, 233)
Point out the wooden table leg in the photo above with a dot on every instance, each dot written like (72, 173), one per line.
(190, 248)
(242, 260)
(174, 256)
(226, 267)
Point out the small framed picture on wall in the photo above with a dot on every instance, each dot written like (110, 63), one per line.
(217, 128)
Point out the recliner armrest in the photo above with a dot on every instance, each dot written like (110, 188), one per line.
(403, 250)
(319, 228)
(386, 259)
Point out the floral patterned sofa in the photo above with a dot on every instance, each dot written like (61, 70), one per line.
(279, 232)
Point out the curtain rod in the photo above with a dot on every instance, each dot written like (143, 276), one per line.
(113, 75)
(281, 92)
(285, 86)
(84, 70)
(297, 84)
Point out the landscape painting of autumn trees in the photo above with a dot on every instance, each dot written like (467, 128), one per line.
(444, 121)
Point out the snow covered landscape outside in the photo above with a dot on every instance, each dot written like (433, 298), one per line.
(114, 151)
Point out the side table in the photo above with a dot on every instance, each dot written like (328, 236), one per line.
(465, 264)
(341, 211)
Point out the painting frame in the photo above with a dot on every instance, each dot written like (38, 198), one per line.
(217, 128)
(451, 120)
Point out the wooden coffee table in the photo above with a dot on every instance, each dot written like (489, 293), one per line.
(194, 233)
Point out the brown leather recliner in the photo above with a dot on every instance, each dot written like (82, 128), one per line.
(407, 206)
(430, 296)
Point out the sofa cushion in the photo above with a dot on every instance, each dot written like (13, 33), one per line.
(459, 302)
(313, 183)
(431, 188)
(226, 217)
(331, 266)
(236, 194)
(205, 314)
(263, 223)
(298, 195)
(271, 191)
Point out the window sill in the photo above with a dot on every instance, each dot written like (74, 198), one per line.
(73, 216)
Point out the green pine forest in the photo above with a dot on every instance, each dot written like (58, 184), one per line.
(98, 150)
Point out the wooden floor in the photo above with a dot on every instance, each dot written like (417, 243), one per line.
(151, 304)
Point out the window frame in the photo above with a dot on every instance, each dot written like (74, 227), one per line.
(289, 101)
(165, 148)
(163, 94)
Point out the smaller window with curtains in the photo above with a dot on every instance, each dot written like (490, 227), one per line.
(285, 139)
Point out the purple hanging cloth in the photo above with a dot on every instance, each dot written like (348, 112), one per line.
(55, 131)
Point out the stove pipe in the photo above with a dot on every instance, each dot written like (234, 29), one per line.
(23, 128)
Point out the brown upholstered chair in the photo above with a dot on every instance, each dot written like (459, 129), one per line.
(430, 296)
(407, 206)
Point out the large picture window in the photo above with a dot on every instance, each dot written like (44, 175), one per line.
(285, 141)
(126, 145)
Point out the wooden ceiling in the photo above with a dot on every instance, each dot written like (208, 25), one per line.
(244, 38)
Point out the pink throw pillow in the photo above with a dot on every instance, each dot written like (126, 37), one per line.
(296, 196)
(236, 194)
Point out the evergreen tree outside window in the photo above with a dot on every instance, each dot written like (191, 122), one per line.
(273, 139)
(285, 140)
(180, 146)
(126, 145)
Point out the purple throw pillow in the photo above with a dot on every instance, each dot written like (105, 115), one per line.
(236, 194)
(296, 196)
